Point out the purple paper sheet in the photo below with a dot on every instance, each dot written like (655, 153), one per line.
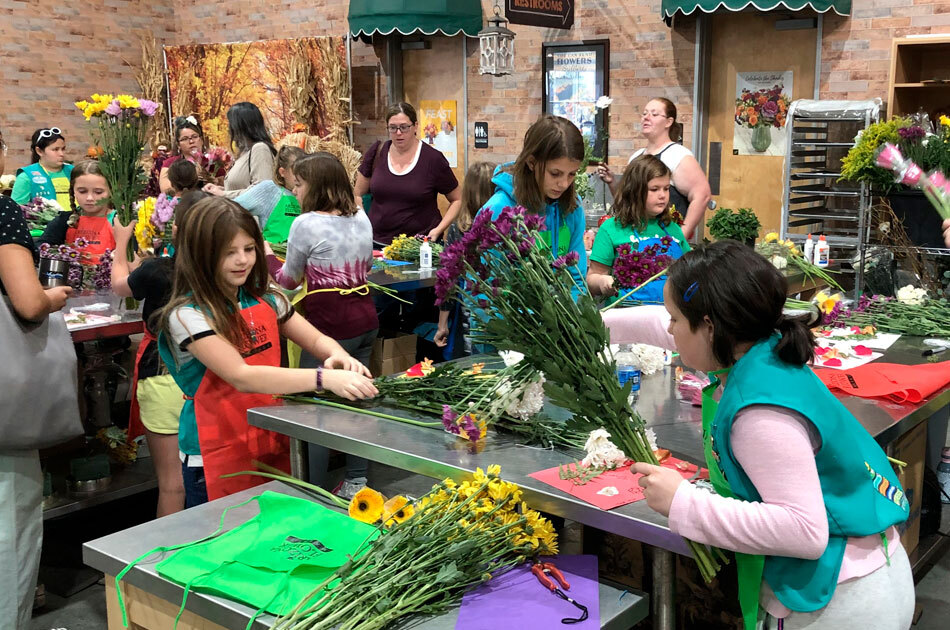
(517, 600)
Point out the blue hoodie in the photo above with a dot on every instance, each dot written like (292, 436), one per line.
(568, 237)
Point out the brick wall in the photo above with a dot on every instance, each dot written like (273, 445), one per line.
(54, 53)
(856, 50)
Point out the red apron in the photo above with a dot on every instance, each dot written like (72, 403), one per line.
(97, 231)
(228, 443)
(136, 428)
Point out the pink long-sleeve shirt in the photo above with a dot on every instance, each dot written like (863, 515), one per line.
(775, 447)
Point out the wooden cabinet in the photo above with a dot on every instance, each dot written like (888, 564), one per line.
(920, 76)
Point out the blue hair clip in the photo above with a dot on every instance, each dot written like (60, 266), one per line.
(690, 292)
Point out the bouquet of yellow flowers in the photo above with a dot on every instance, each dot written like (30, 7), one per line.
(406, 248)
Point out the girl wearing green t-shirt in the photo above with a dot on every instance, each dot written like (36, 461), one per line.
(271, 200)
(641, 218)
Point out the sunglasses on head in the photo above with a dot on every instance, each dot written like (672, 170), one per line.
(49, 133)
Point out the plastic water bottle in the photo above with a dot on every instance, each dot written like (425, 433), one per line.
(627, 370)
(425, 254)
(943, 475)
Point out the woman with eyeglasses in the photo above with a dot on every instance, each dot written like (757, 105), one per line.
(689, 190)
(190, 145)
(48, 175)
(406, 177)
(256, 152)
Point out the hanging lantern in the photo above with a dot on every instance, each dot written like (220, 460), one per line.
(497, 45)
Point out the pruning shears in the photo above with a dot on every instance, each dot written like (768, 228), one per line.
(544, 571)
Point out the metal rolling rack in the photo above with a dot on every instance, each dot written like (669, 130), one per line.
(820, 133)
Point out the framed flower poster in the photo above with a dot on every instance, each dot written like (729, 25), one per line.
(762, 100)
(575, 76)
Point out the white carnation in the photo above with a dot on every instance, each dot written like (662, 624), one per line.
(530, 402)
(601, 452)
(510, 357)
(911, 295)
(649, 359)
(779, 262)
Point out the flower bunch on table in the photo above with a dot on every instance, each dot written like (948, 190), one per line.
(522, 300)
(930, 318)
(119, 128)
(458, 536)
(83, 272)
(153, 224)
(406, 248)
(785, 253)
(40, 211)
(764, 107)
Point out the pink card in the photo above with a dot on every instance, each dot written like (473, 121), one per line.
(598, 491)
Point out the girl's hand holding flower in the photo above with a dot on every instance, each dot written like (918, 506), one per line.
(349, 385)
(123, 233)
(659, 485)
(605, 174)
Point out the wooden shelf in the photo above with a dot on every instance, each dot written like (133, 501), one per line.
(914, 62)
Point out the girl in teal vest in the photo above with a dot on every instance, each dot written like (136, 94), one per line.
(641, 218)
(803, 494)
(272, 202)
(48, 175)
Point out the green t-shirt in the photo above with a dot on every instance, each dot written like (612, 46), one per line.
(611, 235)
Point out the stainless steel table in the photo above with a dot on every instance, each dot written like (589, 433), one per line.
(678, 427)
(619, 609)
(403, 277)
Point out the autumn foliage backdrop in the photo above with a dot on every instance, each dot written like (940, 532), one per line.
(302, 81)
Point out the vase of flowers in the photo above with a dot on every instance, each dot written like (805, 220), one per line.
(761, 111)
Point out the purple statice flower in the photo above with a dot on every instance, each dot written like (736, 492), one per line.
(914, 132)
(148, 107)
(113, 109)
(449, 418)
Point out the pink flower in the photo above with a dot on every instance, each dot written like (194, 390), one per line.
(148, 107)
(889, 156)
(912, 175)
(113, 108)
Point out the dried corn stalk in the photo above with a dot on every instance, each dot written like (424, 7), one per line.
(183, 105)
(299, 79)
(151, 79)
(334, 94)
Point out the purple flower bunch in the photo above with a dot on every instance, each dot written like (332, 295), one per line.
(164, 211)
(632, 267)
(62, 252)
(102, 277)
(514, 225)
(914, 132)
(465, 426)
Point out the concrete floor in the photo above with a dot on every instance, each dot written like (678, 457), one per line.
(86, 609)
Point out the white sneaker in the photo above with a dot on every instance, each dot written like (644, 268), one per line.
(347, 489)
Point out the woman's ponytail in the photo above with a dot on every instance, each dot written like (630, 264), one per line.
(797, 345)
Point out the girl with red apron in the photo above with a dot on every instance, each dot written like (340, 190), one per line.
(224, 351)
(87, 227)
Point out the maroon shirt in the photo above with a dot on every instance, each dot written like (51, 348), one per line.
(407, 203)
(167, 163)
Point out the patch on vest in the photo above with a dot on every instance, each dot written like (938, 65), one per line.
(300, 549)
(887, 489)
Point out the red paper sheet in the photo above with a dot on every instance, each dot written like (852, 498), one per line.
(620, 478)
(899, 383)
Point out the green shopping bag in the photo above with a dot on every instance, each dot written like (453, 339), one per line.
(271, 562)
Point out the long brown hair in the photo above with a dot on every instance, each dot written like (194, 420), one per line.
(200, 245)
(549, 138)
(328, 185)
(630, 204)
(477, 189)
(676, 129)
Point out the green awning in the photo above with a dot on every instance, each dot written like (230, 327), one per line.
(686, 7)
(448, 17)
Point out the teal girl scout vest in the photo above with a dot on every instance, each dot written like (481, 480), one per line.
(41, 184)
(861, 491)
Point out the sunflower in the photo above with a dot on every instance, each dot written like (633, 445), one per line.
(367, 505)
(397, 510)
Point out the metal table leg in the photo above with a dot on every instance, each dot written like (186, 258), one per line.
(664, 584)
(299, 466)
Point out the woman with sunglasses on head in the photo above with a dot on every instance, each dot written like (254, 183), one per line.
(48, 175)
(256, 151)
(406, 176)
(689, 192)
(190, 145)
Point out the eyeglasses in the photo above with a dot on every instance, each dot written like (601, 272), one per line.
(3, 146)
(399, 128)
(189, 138)
(49, 133)
(653, 114)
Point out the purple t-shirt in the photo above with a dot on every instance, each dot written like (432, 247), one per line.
(407, 203)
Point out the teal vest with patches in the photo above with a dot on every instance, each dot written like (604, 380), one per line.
(41, 184)
(861, 492)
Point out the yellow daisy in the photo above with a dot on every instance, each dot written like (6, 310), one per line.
(367, 505)
(771, 237)
(397, 510)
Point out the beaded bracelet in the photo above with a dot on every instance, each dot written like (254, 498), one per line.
(319, 379)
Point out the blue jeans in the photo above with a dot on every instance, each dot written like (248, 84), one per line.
(196, 491)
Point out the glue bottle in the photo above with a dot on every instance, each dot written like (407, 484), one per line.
(821, 252)
(808, 250)
(425, 254)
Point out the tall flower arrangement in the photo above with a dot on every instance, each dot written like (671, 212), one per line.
(522, 301)
(120, 129)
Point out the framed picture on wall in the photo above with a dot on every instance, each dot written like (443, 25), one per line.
(575, 76)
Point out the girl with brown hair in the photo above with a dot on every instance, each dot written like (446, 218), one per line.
(542, 180)
(89, 217)
(220, 339)
(641, 218)
(273, 201)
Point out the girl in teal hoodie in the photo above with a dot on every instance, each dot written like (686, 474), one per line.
(542, 180)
